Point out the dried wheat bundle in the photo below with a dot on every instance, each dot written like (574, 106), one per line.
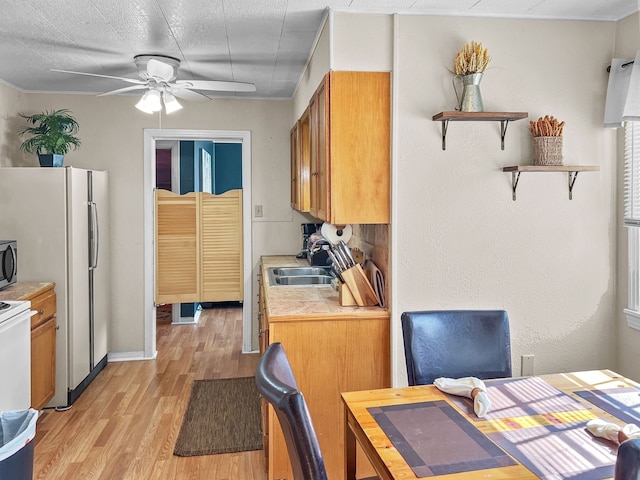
(546, 126)
(471, 59)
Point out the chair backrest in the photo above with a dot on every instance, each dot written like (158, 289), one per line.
(278, 386)
(628, 462)
(456, 343)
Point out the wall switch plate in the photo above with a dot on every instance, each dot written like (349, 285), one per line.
(526, 367)
(258, 211)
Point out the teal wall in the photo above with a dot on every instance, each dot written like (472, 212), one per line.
(228, 167)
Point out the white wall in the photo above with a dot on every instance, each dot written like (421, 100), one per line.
(549, 262)
(627, 44)
(318, 65)
(12, 103)
(369, 50)
(458, 239)
(111, 130)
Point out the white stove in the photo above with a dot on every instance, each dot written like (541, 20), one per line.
(15, 355)
(10, 309)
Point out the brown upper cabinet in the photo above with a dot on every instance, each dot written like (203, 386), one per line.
(300, 161)
(349, 149)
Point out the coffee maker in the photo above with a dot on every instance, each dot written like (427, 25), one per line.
(308, 229)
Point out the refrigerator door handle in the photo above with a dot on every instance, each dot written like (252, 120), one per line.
(95, 236)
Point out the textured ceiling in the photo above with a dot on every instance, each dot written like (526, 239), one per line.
(266, 42)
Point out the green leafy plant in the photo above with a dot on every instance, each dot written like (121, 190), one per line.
(52, 132)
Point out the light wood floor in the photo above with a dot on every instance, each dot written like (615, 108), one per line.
(124, 426)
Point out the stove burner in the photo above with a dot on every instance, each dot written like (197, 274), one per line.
(4, 305)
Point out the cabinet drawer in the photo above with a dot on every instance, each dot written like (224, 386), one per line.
(45, 307)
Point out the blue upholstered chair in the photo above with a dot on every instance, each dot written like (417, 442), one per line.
(628, 462)
(278, 386)
(456, 343)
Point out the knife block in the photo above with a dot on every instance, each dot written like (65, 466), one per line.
(360, 287)
(345, 297)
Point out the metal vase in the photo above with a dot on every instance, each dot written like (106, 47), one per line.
(470, 100)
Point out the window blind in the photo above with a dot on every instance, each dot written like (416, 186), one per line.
(632, 174)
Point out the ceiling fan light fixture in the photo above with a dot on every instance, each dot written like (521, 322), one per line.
(150, 102)
(170, 103)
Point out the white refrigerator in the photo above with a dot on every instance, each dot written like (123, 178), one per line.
(59, 217)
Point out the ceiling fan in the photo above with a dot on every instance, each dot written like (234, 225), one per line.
(158, 76)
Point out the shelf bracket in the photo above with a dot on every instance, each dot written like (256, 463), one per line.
(503, 131)
(445, 125)
(515, 178)
(572, 181)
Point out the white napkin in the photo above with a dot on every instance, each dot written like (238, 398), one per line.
(599, 427)
(463, 387)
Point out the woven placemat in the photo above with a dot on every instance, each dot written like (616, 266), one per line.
(223, 416)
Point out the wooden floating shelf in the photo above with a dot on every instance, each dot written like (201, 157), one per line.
(479, 116)
(572, 171)
(455, 116)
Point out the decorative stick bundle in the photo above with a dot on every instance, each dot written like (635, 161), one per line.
(546, 126)
(471, 59)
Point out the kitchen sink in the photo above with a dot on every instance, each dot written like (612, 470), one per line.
(304, 280)
(299, 276)
(297, 271)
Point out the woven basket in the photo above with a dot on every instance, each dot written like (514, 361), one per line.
(547, 150)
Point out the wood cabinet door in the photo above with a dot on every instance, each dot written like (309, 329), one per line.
(328, 356)
(322, 167)
(177, 234)
(313, 156)
(359, 160)
(43, 363)
(319, 144)
(295, 168)
(263, 324)
(221, 247)
(304, 157)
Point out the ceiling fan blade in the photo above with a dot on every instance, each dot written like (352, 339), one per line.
(160, 70)
(188, 94)
(216, 86)
(122, 90)
(128, 80)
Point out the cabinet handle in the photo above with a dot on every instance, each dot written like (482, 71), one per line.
(40, 312)
(314, 174)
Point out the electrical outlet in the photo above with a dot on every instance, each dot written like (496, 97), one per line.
(526, 367)
(258, 211)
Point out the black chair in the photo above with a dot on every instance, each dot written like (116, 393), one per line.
(456, 343)
(628, 462)
(278, 386)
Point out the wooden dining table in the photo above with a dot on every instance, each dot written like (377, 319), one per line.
(535, 428)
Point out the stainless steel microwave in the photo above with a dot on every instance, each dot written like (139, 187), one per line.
(8, 262)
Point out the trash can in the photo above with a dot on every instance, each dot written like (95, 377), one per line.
(17, 431)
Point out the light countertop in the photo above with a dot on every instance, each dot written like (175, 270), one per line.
(23, 290)
(313, 301)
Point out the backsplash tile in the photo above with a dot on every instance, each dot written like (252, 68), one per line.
(373, 240)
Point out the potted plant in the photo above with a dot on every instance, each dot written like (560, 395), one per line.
(468, 66)
(53, 135)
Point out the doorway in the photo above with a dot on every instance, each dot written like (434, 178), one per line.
(152, 138)
(188, 166)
